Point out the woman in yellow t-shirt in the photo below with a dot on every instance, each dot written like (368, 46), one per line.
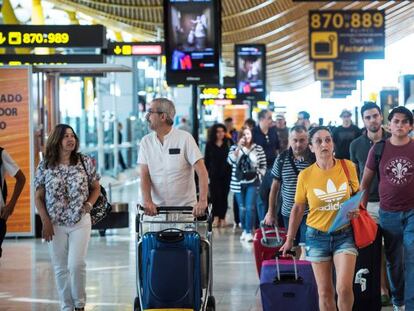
(324, 186)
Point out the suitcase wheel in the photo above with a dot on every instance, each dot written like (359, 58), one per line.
(211, 304)
(137, 305)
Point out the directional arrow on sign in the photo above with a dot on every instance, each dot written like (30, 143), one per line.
(117, 50)
(2, 39)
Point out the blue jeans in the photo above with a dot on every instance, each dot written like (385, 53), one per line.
(398, 232)
(246, 200)
(262, 201)
(300, 238)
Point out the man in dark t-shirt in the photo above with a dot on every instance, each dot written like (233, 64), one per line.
(396, 215)
(265, 136)
(343, 135)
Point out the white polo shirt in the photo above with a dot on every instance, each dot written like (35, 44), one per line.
(170, 167)
(10, 167)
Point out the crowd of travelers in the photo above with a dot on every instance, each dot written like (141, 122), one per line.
(295, 178)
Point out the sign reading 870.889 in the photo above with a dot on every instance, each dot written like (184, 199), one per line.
(346, 34)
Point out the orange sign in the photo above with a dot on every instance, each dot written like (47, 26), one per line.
(238, 113)
(15, 138)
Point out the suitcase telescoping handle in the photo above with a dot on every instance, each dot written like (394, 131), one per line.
(267, 240)
(278, 278)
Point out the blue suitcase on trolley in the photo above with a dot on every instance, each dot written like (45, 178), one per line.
(288, 284)
(171, 270)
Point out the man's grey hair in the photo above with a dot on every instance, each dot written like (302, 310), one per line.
(167, 106)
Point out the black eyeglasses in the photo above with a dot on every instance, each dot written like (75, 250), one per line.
(149, 111)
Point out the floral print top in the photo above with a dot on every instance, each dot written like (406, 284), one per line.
(66, 189)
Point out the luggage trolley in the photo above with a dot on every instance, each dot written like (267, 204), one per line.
(174, 265)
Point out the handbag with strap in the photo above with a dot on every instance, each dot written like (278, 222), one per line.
(364, 227)
(102, 207)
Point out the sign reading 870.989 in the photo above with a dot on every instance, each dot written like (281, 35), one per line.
(52, 36)
(346, 34)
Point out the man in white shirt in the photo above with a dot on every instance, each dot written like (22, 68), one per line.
(7, 165)
(168, 158)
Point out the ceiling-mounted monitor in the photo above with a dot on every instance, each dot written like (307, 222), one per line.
(192, 41)
(250, 65)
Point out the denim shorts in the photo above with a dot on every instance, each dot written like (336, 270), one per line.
(322, 246)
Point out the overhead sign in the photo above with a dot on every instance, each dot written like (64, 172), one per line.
(339, 69)
(217, 96)
(346, 34)
(134, 48)
(337, 89)
(56, 59)
(52, 36)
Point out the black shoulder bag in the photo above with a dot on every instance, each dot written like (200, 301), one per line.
(102, 207)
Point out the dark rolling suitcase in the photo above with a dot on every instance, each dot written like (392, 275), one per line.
(171, 273)
(367, 281)
(289, 285)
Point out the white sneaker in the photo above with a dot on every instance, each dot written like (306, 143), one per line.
(398, 308)
(248, 237)
(243, 236)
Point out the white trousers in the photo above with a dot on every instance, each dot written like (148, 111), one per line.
(68, 252)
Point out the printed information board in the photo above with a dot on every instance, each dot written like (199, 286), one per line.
(337, 89)
(339, 69)
(346, 34)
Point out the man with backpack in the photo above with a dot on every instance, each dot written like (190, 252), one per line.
(396, 215)
(285, 176)
(7, 165)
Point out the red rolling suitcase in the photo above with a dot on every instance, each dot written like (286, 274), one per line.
(266, 242)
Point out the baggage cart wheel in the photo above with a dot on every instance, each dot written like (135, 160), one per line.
(137, 305)
(102, 232)
(211, 304)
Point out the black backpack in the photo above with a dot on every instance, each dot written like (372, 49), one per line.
(244, 168)
(3, 187)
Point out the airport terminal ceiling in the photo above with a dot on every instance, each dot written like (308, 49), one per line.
(280, 24)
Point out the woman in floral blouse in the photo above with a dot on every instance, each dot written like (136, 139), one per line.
(65, 194)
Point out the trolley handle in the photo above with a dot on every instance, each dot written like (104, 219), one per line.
(169, 209)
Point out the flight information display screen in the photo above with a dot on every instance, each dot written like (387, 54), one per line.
(192, 43)
(250, 63)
